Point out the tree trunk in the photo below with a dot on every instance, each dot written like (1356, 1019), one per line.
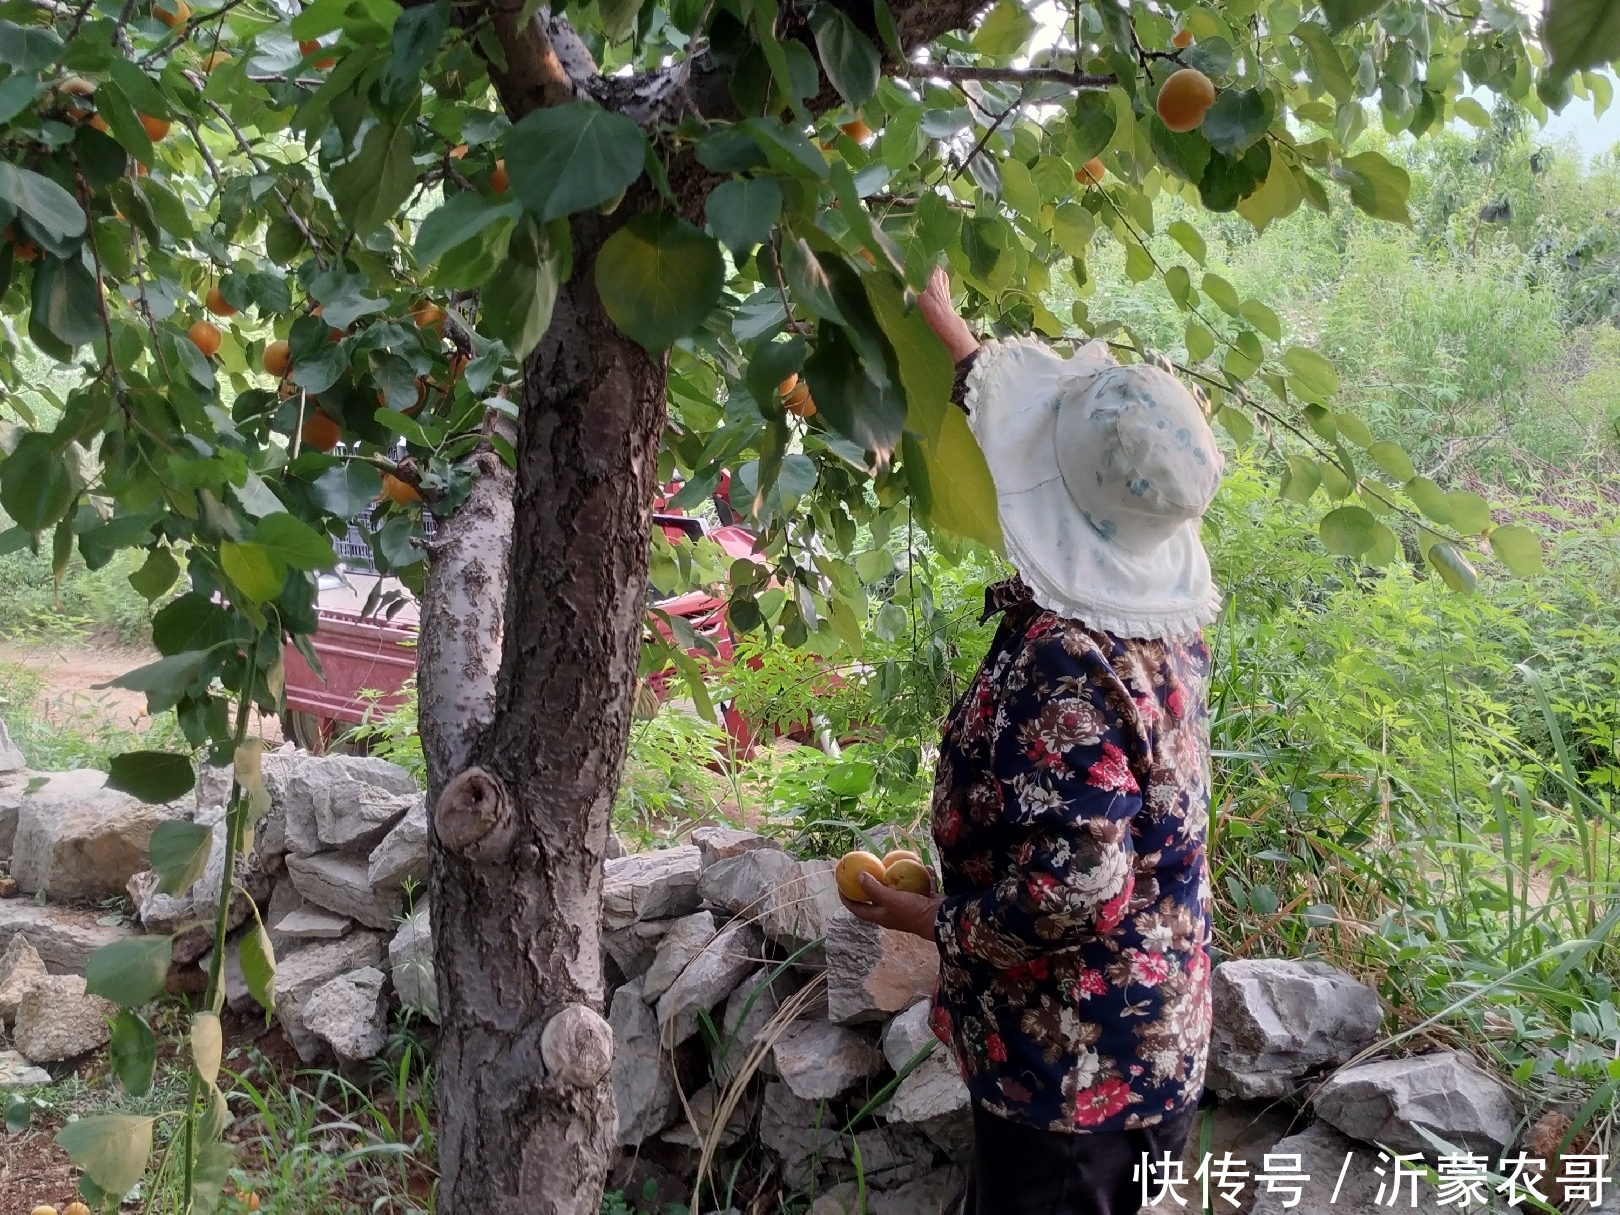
(521, 808)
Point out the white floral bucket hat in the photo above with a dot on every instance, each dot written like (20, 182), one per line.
(1102, 474)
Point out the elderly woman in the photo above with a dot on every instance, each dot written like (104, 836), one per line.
(1071, 798)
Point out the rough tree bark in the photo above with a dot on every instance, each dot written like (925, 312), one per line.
(524, 764)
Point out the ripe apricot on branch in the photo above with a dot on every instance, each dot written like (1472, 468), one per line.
(796, 397)
(277, 354)
(321, 432)
(848, 870)
(214, 60)
(399, 491)
(428, 315)
(1185, 99)
(156, 128)
(497, 179)
(182, 10)
(205, 337)
(99, 123)
(1091, 172)
(856, 129)
(217, 303)
(1182, 40)
(310, 47)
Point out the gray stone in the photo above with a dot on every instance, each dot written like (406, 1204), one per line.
(745, 884)
(78, 839)
(799, 1132)
(893, 1155)
(410, 961)
(17, 1072)
(1276, 1021)
(708, 978)
(20, 967)
(64, 936)
(204, 893)
(1246, 1129)
(694, 1120)
(284, 900)
(1321, 1153)
(301, 971)
(11, 758)
(327, 798)
(161, 913)
(649, 886)
(347, 1014)
(312, 925)
(634, 946)
(951, 1133)
(721, 843)
(643, 1077)
(614, 848)
(213, 788)
(875, 972)
(10, 808)
(1385, 1102)
(748, 1009)
(237, 996)
(338, 883)
(402, 857)
(56, 1020)
(794, 902)
(933, 1091)
(819, 1060)
(685, 939)
(934, 1193)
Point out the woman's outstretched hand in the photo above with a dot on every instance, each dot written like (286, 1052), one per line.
(935, 303)
(896, 909)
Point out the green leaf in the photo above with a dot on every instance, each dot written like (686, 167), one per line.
(1391, 457)
(166, 206)
(518, 301)
(1453, 567)
(1348, 531)
(1386, 547)
(1262, 318)
(1222, 293)
(793, 151)
(52, 208)
(165, 680)
(1581, 34)
(462, 217)
(1379, 188)
(743, 211)
(1236, 424)
(1200, 342)
(130, 972)
(156, 575)
(179, 854)
(1330, 70)
(952, 479)
(370, 188)
(772, 364)
(1519, 549)
(926, 372)
(869, 412)
(1236, 120)
(1278, 197)
(123, 124)
(659, 277)
(347, 489)
(847, 55)
(573, 157)
(1302, 479)
(1092, 123)
(141, 89)
(1470, 514)
(36, 485)
(67, 301)
(1185, 235)
(27, 49)
(1429, 498)
(1313, 373)
(258, 961)
(1342, 14)
(152, 776)
(132, 1053)
(207, 1045)
(1005, 31)
(194, 621)
(1352, 428)
(250, 568)
(112, 1149)
(295, 542)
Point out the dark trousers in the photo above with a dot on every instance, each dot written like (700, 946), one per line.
(1022, 1170)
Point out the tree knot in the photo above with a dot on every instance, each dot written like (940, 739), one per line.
(474, 816)
(577, 1046)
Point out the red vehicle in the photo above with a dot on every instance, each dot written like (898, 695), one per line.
(375, 655)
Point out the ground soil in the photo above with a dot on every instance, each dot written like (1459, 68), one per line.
(34, 1172)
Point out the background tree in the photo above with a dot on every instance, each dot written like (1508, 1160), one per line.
(517, 266)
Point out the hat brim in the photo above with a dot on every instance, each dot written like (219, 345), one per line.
(1014, 395)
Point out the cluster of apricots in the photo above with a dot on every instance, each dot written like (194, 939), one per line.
(900, 869)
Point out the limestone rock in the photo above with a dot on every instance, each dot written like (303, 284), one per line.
(874, 972)
(204, 893)
(11, 759)
(402, 856)
(20, 967)
(303, 970)
(893, 1155)
(410, 961)
(694, 1121)
(347, 1014)
(745, 884)
(818, 1060)
(339, 883)
(794, 902)
(64, 936)
(1321, 1153)
(614, 848)
(10, 808)
(78, 839)
(934, 1193)
(284, 900)
(162, 913)
(335, 801)
(17, 1072)
(933, 1090)
(1276, 1021)
(1246, 1129)
(634, 946)
(708, 978)
(237, 996)
(798, 1131)
(56, 1020)
(683, 942)
(312, 925)
(721, 843)
(643, 1077)
(1384, 1102)
(649, 886)
(748, 1009)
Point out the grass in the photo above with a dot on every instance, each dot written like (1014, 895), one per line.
(81, 730)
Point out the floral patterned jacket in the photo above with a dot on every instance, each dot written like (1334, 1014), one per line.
(1071, 803)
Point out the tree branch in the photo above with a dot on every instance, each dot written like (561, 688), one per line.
(535, 74)
(956, 73)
